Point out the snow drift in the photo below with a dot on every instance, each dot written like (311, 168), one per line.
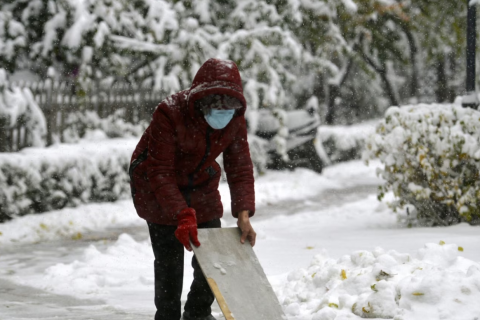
(435, 283)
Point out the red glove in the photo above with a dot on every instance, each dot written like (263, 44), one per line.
(187, 228)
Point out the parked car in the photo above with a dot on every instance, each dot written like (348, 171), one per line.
(290, 139)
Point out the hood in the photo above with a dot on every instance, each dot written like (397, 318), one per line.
(216, 76)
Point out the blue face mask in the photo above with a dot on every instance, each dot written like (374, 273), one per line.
(218, 119)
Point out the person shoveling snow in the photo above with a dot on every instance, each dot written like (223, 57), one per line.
(174, 180)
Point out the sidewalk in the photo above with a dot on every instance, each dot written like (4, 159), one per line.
(23, 302)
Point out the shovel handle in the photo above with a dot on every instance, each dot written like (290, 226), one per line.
(220, 299)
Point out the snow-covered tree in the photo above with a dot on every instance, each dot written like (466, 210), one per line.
(12, 38)
(441, 51)
(164, 42)
(17, 104)
(355, 56)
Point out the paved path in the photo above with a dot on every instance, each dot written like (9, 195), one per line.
(23, 302)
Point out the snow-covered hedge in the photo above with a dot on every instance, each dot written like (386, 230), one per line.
(431, 155)
(95, 169)
(37, 180)
(344, 143)
(87, 123)
(435, 283)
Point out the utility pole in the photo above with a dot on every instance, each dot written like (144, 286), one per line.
(470, 99)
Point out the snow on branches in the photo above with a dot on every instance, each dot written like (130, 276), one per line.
(163, 43)
(18, 105)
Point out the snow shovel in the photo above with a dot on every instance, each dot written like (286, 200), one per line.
(235, 276)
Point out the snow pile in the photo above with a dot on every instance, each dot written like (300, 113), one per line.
(126, 263)
(431, 155)
(435, 283)
(18, 105)
(121, 273)
(343, 143)
(68, 223)
(37, 180)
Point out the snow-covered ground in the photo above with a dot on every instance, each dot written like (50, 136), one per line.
(329, 248)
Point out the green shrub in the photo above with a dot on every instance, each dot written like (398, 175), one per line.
(431, 155)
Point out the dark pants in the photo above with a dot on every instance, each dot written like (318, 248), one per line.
(168, 268)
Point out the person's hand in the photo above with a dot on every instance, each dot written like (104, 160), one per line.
(247, 230)
(187, 228)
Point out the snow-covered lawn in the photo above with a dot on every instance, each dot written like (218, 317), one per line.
(329, 248)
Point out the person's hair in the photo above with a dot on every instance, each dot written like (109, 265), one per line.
(217, 101)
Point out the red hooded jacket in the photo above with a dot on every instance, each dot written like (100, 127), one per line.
(173, 166)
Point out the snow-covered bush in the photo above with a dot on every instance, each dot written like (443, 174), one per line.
(435, 283)
(37, 180)
(343, 143)
(258, 153)
(18, 103)
(431, 155)
(95, 169)
(82, 124)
